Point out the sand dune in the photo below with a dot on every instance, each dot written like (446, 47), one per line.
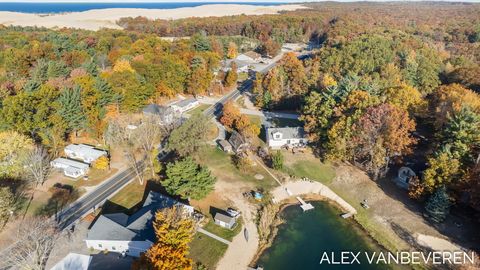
(106, 18)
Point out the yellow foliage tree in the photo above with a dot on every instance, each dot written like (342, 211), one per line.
(328, 81)
(406, 97)
(232, 50)
(450, 98)
(174, 232)
(102, 163)
(442, 171)
(13, 146)
(123, 65)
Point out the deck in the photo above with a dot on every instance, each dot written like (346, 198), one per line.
(305, 206)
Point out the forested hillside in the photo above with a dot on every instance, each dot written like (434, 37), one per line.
(382, 74)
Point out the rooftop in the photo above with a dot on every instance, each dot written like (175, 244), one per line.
(71, 163)
(85, 150)
(287, 132)
(156, 109)
(185, 102)
(224, 218)
(137, 227)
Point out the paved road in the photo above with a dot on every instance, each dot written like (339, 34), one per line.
(266, 114)
(216, 108)
(93, 199)
(216, 237)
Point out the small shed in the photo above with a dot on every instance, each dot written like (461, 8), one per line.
(225, 146)
(224, 220)
(405, 174)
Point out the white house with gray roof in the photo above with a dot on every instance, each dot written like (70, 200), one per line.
(133, 234)
(184, 105)
(71, 168)
(287, 136)
(83, 152)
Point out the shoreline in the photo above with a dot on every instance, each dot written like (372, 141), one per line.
(96, 19)
(308, 198)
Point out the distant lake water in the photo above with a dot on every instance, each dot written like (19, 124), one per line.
(304, 237)
(76, 7)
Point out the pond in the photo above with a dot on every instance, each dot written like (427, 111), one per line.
(305, 236)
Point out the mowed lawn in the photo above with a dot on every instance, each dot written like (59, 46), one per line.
(221, 165)
(305, 165)
(126, 199)
(206, 250)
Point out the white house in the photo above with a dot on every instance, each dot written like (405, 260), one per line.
(86, 153)
(130, 235)
(71, 168)
(184, 105)
(242, 66)
(287, 136)
(405, 174)
(73, 261)
(165, 114)
(224, 220)
(250, 57)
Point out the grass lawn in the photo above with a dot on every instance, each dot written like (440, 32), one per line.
(223, 232)
(199, 109)
(220, 163)
(126, 199)
(206, 250)
(307, 165)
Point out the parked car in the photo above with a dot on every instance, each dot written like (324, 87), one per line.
(233, 212)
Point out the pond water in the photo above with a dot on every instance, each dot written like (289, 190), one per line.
(305, 236)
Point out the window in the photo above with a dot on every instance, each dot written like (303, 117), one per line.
(113, 248)
(100, 245)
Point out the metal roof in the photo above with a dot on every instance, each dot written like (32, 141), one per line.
(224, 218)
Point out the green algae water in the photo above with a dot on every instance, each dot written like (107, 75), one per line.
(305, 236)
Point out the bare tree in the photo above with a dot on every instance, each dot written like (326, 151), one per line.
(37, 165)
(120, 132)
(147, 136)
(36, 238)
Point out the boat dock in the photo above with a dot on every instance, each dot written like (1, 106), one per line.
(305, 206)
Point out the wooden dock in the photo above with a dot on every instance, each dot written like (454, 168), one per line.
(305, 206)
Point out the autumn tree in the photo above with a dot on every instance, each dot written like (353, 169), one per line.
(230, 113)
(232, 50)
(294, 73)
(13, 148)
(101, 163)
(383, 132)
(442, 170)
(174, 232)
(232, 76)
(188, 179)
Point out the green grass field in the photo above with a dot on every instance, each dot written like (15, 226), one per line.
(315, 170)
(221, 165)
(206, 250)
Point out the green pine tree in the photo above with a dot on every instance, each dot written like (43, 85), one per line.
(438, 205)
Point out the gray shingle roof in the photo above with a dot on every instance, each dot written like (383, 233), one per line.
(137, 227)
(107, 229)
(185, 102)
(287, 132)
(156, 109)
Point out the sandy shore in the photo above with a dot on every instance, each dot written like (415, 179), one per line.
(106, 18)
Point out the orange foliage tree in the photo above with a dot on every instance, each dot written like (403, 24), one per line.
(174, 232)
